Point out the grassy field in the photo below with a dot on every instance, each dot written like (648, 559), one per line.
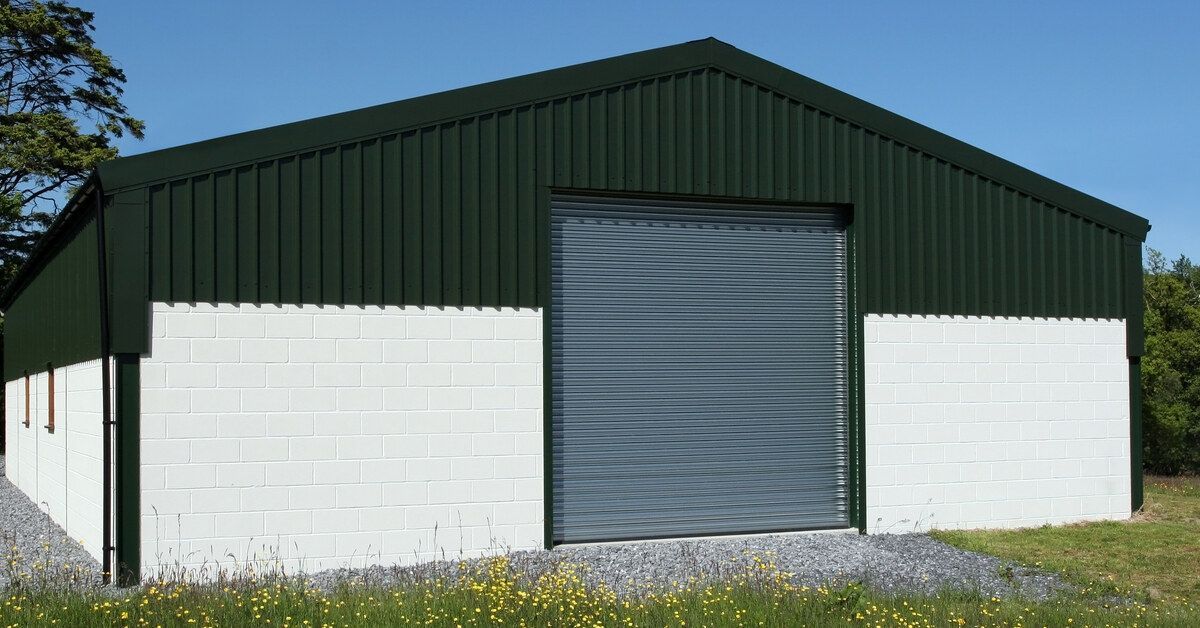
(1151, 563)
(1156, 555)
(494, 595)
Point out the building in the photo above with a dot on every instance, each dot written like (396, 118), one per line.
(680, 292)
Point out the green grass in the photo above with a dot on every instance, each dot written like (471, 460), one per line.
(488, 601)
(1156, 554)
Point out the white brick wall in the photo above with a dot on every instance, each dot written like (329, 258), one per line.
(27, 441)
(10, 432)
(82, 388)
(14, 429)
(322, 436)
(61, 471)
(995, 422)
(51, 451)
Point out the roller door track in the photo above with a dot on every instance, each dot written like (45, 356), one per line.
(698, 371)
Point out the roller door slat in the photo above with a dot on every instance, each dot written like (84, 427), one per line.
(699, 368)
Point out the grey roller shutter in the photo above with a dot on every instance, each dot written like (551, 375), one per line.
(698, 369)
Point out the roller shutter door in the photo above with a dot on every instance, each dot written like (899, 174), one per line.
(699, 369)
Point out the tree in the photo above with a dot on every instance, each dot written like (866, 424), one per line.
(1171, 366)
(53, 80)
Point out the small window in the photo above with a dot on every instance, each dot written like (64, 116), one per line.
(27, 413)
(50, 406)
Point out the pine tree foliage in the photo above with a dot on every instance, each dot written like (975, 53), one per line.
(60, 110)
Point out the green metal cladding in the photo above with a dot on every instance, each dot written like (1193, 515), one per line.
(446, 214)
(439, 200)
(56, 319)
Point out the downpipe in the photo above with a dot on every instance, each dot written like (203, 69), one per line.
(105, 392)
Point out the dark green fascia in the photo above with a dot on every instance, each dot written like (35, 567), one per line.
(127, 485)
(253, 146)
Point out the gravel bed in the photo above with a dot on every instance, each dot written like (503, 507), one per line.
(890, 564)
(45, 554)
(902, 563)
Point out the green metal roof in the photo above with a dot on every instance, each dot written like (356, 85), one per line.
(332, 130)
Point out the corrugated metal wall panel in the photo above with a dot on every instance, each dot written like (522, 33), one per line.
(446, 215)
(56, 318)
(699, 370)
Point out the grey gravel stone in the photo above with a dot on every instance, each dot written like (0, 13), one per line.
(43, 554)
(889, 564)
(901, 563)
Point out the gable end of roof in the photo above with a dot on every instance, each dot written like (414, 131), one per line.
(331, 130)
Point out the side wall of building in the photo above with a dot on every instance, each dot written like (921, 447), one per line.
(56, 318)
(60, 470)
(326, 436)
(995, 422)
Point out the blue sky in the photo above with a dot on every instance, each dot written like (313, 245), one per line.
(1102, 96)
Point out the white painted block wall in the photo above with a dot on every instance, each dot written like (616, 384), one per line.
(51, 448)
(14, 414)
(995, 422)
(325, 436)
(27, 441)
(82, 392)
(60, 471)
